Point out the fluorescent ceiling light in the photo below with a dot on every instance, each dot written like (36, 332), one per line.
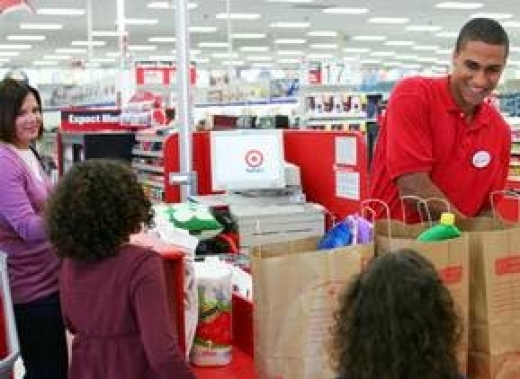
(262, 64)
(496, 16)
(290, 25)
(289, 52)
(142, 47)
(511, 24)
(322, 33)
(15, 47)
(412, 66)
(426, 47)
(255, 48)
(406, 57)
(514, 48)
(41, 26)
(340, 10)
(423, 28)
(324, 46)
(370, 61)
(319, 55)
(259, 58)
(213, 44)
(388, 20)
(382, 53)
(60, 12)
(288, 61)
(26, 38)
(248, 35)
(86, 43)
(45, 63)
(9, 53)
(399, 43)
(233, 63)
(443, 51)
(105, 33)
(103, 60)
(224, 55)
(368, 38)
(290, 1)
(458, 5)
(356, 49)
(426, 59)
(112, 54)
(57, 57)
(202, 29)
(237, 16)
(5, 60)
(290, 41)
(71, 51)
(202, 60)
(391, 64)
(140, 21)
(162, 57)
(161, 39)
(446, 34)
(168, 5)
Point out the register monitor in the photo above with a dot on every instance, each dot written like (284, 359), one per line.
(245, 160)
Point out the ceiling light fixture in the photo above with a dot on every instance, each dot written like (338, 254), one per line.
(458, 5)
(30, 26)
(368, 38)
(340, 10)
(496, 16)
(290, 25)
(161, 39)
(237, 16)
(26, 38)
(423, 28)
(248, 35)
(388, 20)
(322, 33)
(290, 41)
(60, 12)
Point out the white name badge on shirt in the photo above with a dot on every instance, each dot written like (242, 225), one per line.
(481, 159)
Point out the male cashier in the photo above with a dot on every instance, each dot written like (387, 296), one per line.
(441, 139)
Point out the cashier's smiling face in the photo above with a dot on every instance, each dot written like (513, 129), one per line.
(477, 68)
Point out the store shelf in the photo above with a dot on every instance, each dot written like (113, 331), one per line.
(148, 167)
(146, 153)
(151, 183)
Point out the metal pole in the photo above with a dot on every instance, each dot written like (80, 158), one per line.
(121, 33)
(186, 177)
(90, 47)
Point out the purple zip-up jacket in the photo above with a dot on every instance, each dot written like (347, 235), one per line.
(32, 265)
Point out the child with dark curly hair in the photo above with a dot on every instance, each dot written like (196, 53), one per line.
(113, 293)
(396, 320)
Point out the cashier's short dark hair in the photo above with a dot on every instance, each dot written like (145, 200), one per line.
(95, 208)
(396, 320)
(484, 30)
(12, 96)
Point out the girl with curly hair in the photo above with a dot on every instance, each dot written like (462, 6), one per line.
(113, 293)
(396, 320)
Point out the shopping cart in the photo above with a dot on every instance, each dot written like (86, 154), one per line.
(10, 349)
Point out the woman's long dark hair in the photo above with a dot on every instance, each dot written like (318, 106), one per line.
(396, 320)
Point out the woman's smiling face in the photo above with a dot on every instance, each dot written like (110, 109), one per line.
(28, 122)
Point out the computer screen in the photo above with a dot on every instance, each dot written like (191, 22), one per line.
(244, 160)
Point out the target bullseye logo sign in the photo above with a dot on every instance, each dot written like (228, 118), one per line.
(254, 158)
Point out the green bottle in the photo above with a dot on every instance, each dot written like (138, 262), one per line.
(444, 230)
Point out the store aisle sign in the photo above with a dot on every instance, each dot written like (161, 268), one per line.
(90, 120)
(11, 5)
(159, 73)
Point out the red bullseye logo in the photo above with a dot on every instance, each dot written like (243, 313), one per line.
(254, 158)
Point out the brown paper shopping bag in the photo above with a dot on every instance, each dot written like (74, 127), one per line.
(295, 291)
(494, 325)
(450, 258)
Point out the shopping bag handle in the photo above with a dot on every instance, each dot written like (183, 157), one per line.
(495, 195)
(366, 207)
(7, 364)
(423, 205)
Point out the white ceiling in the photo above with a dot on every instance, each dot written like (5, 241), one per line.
(419, 12)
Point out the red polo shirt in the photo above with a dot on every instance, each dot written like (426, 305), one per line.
(425, 131)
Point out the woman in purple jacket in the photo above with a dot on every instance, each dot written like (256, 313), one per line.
(32, 265)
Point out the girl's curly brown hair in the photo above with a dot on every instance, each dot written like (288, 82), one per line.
(396, 320)
(95, 208)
